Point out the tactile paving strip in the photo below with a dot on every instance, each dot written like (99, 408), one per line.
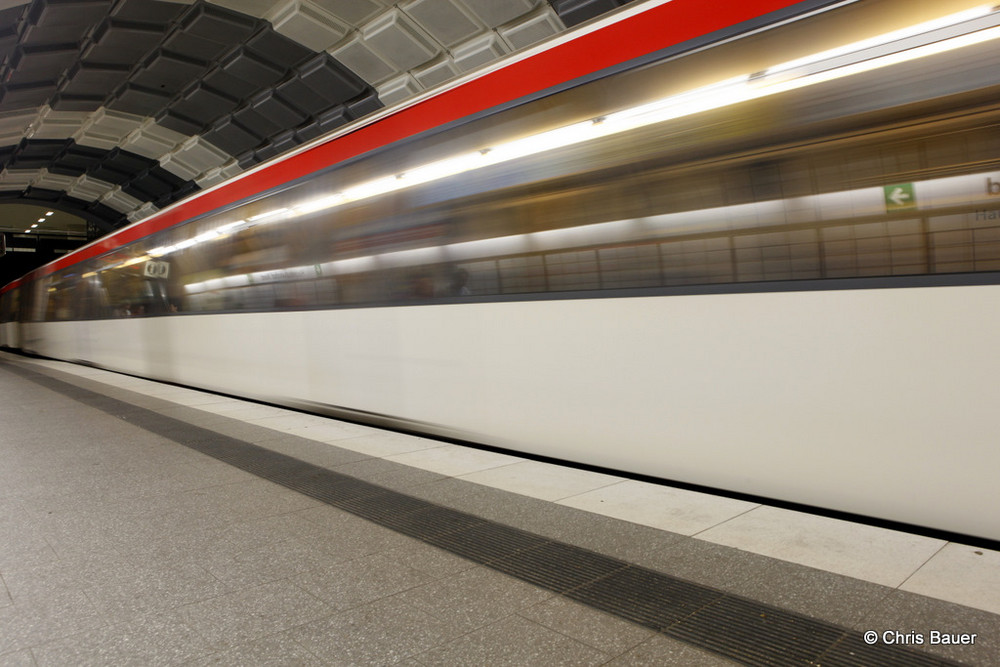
(739, 629)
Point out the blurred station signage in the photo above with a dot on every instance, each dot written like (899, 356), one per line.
(899, 197)
(154, 269)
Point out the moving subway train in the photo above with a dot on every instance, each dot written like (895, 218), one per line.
(766, 261)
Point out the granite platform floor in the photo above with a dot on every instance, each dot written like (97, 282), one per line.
(122, 544)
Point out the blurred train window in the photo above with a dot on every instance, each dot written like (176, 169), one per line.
(522, 274)
(572, 271)
(483, 278)
(10, 305)
(61, 304)
(631, 266)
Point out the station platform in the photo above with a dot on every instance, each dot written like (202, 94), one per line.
(145, 523)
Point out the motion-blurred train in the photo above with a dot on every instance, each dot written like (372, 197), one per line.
(760, 255)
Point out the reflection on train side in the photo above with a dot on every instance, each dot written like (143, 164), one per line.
(739, 181)
(601, 244)
(933, 226)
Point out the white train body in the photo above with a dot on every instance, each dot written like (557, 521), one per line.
(821, 332)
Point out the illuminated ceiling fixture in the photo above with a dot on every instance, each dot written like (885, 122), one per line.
(268, 215)
(41, 220)
(442, 168)
(891, 40)
(319, 204)
(207, 236)
(49, 213)
(969, 32)
(162, 250)
(227, 228)
(134, 261)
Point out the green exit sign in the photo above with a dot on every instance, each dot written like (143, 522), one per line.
(899, 197)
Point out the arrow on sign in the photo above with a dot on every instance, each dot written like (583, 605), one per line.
(899, 196)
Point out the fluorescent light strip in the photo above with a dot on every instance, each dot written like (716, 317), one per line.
(267, 215)
(916, 53)
(883, 39)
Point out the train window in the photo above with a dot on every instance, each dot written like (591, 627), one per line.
(572, 271)
(481, 278)
(522, 274)
(9, 305)
(630, 266)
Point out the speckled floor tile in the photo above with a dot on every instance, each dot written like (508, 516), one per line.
(238, 566)
(349, 584)
(140, 588)
(23, 546)
(278, 650)
(22, 658)
(514, 641)
(152, 640)
(29, 623)
(245, 616)
(383, 632)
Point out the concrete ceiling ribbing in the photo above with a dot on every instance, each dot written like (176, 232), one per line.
(186, 93)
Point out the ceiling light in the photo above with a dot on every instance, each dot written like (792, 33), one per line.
(320, 203)
(883, 39)
(266, 215)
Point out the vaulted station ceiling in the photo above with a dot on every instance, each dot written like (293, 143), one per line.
(113, 109)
